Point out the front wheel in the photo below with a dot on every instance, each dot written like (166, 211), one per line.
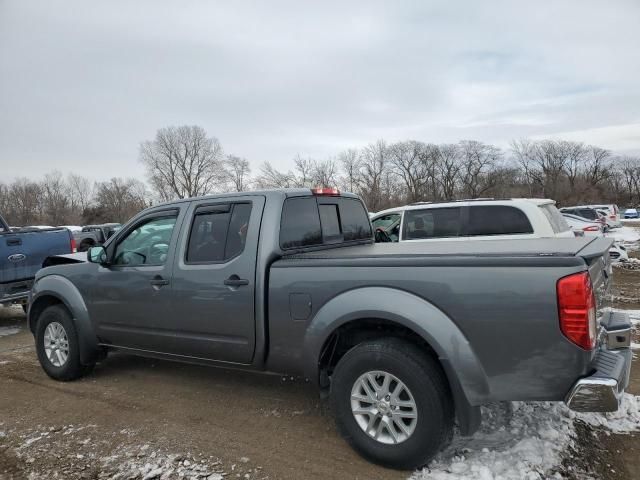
(57, 345)
(392, 403)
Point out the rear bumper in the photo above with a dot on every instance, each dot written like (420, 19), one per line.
(602, 390)
(15, 291)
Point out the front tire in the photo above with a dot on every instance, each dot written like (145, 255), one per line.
(392, 403)
(57, 345)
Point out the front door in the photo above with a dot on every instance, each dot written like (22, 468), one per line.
(214, 277)
(131, 296)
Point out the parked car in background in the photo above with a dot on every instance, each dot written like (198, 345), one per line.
(630, 213)
(611, 223)
(585, 212)
(405, 339)
(22, 253)
(92, 235)
(512, 219)
(72, 228)
(592, 228)
(618, 253)
(613, 217)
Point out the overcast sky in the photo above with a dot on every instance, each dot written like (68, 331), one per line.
(83, 83)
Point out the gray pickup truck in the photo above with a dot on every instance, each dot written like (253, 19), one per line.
(405, 339)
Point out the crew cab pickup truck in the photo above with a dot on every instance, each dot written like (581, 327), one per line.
(405, 338)
(22, 252)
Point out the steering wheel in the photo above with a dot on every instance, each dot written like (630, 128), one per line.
(381, 236)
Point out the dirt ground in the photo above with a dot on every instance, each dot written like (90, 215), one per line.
(206, 423)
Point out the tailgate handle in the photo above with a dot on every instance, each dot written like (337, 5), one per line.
(14, 242)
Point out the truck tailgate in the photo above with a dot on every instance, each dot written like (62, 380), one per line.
(22, 253)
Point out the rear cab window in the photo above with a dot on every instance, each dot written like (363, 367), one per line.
(317, 221)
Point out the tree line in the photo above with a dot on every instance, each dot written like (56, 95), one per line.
(184, 161)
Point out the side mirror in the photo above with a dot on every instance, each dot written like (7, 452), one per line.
(97, 255)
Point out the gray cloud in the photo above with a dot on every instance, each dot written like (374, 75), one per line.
(82, 83)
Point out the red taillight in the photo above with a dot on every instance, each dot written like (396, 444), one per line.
(325, 191)
(577, 309)
(73, 245)
(612, 217)
(592, 228)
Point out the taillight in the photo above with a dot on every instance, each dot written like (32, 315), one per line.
(577, 309)
(73, 245)
(612, 217)
(592, 228)
(325, 191)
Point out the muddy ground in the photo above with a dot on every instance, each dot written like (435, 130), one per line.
(188, 420)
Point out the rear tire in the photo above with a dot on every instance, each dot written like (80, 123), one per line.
(58, 346)
(417, 388)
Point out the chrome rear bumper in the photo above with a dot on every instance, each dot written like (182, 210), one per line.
(602, 391)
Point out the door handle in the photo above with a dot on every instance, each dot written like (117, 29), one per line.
(14, 242)
(236, 281)
(158, 281)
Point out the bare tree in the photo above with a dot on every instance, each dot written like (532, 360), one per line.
(448, 169)
(374, 163)
(183, 162)
(325, 173)
(478, 161)
(304, 169)
(270, 177)
(120, 198)
(597, 165)
(351, 164)
(56, 199)
(80, 192)
(408, 161)
(237, 171)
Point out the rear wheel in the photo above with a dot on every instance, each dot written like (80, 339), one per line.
(392, 403)
(57, 345)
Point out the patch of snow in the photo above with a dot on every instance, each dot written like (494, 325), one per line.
(6, 331)
(624, 234)
(625, 420)
(527, 443)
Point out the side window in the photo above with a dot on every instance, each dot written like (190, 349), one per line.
(497, 220)
(300, 224)
(218, 233)
(147, 244)
(431, 223)
(386, 221)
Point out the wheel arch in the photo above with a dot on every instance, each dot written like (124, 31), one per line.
(381, 312)
(58, 290)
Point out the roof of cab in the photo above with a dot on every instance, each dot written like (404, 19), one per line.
(286, 192)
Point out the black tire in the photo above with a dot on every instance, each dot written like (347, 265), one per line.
(425, 379)
(71, 369)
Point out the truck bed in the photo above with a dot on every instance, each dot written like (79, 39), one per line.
(538, 247)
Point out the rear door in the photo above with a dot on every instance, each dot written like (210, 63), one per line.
(213, 306)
